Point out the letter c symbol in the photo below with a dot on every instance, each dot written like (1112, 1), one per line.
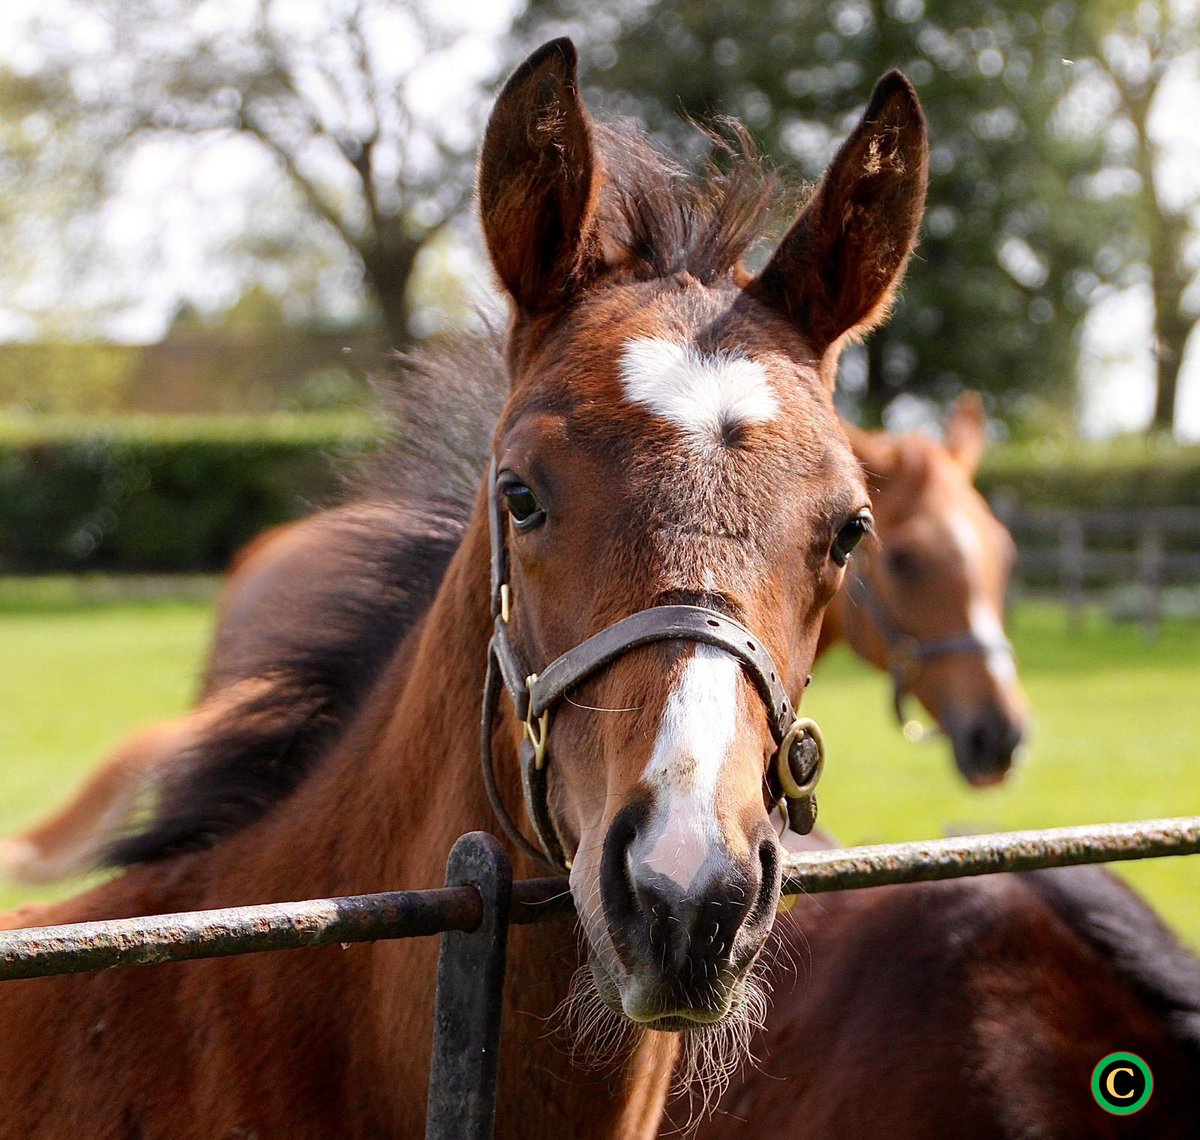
(1112, 1089)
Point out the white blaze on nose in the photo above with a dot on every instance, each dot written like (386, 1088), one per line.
(982, 617)
(985, 625)
(706, 394)
(684, 770)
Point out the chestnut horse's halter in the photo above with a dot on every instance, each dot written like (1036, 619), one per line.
(799, 756)
(907, 654)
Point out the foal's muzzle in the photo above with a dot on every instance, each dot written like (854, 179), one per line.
(682, 949)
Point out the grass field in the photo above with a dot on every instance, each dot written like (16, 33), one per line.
(1118, 721)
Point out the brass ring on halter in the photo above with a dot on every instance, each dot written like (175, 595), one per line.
(801, 726)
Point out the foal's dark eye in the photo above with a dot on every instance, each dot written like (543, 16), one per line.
(523, 506)
(849, 537)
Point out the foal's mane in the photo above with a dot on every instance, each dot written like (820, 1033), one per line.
(440, 404)
(319, 665)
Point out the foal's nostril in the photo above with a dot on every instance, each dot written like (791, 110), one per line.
(617, 887)
(771, 874)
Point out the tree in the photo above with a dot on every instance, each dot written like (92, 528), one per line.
(1004, 271)
(1138, 50)
(328, 91)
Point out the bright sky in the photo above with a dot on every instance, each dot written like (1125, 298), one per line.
(170, 235)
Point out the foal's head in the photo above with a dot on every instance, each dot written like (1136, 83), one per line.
(669, 438)
(930, 600)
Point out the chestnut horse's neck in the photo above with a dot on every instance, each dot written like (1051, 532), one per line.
(383, 813)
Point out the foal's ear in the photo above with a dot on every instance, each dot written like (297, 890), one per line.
(965, 431)
(837, 268)
(538, 181)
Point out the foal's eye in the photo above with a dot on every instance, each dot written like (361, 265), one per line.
(849, 537)
(523, 506)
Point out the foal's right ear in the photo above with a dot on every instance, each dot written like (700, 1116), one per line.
(837, 268)
(538, 182)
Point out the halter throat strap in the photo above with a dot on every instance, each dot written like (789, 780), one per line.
(800, 752)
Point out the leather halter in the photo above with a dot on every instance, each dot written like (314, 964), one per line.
(800, 751)
(907, 654)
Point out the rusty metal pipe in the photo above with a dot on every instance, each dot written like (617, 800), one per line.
(80, 947)
(847, 868)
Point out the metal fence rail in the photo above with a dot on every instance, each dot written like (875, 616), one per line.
(480, 901)
(80, 947)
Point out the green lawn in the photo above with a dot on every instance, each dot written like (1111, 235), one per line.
(1117, 724)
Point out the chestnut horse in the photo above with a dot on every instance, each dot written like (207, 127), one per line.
(926, 602)
(669, 451)
(282, 679)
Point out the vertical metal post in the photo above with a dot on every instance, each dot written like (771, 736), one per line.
(470, 997)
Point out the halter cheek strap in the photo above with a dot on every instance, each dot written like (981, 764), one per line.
(800, 751)
(907, 654)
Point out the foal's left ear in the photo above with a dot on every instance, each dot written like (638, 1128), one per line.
(538, 182)
(836, 270)
(965, 431)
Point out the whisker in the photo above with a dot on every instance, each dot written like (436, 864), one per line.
(597, 708)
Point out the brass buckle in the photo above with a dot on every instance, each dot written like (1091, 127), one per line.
(801, 726)
(537, 729)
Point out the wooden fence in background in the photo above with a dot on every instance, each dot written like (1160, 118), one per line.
(1078, 551)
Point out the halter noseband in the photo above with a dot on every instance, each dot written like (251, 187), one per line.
(800, 750)
(907, 654)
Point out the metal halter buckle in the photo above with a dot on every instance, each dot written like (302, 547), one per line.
(537, 728)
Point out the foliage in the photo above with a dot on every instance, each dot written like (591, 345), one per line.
(1139, 50)
(1124, 473)
(1007, 264)
(366, 170)
(159, 494)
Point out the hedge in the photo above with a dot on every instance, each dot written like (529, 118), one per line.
(1125, 473)
(184, 493)
(146, 494)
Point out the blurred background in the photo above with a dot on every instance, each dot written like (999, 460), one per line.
(218, 218)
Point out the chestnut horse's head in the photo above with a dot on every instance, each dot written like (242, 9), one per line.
(928, 603)
(670, 438)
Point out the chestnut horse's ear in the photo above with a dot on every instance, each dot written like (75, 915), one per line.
(965, 431)
(538, 181)
(836, 270)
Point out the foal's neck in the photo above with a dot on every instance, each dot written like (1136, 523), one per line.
(421, 774)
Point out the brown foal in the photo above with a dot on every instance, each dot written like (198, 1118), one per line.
(669, 439)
